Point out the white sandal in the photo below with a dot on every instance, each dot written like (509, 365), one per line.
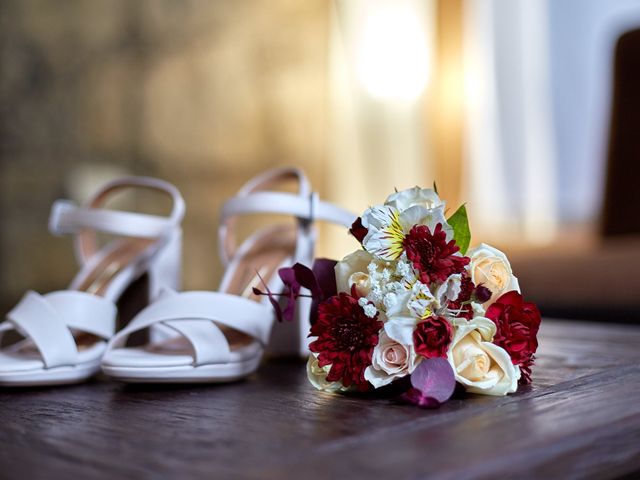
(221, 336)
(66, 332)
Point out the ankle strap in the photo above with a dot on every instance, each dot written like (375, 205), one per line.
(308, 209)
(68, 218)
(304, 205)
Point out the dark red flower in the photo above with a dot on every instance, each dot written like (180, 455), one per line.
(432, 255)
(462, 303)
(346, 338)
(517, 325)
(358, 230)
(481, 294)
(432, 337)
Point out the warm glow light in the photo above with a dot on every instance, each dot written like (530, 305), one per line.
(392, 58)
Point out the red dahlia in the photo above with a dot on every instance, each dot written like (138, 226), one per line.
(432, 255)
(432, 337)
(346, 338)
(517, 325)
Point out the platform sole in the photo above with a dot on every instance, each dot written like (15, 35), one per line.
(52, 376)
(215, 373)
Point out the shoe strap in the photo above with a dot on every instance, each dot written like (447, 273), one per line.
(48, 319)
(307, 209)
(304, 205)
(84, 221)
(197, 316)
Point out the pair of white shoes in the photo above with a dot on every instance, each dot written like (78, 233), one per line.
(201, 336)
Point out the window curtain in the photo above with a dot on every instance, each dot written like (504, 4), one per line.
(480, 124)
(380, 64)
(511, 116)
(510, 155)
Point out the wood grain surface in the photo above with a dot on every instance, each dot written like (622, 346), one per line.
(579, 419)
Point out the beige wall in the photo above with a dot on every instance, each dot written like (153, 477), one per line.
(202, 93)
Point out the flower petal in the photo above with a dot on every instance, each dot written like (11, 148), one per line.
(414, 196)
(434, 378)
(378, 216)
(415, 397)
(386, 235)
(401, 329)
(400, 308)
(377, 378)
(450, 289)
(414, 215)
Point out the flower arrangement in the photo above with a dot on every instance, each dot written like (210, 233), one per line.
(415, 307)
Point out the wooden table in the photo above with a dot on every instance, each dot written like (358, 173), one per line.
(580, 419)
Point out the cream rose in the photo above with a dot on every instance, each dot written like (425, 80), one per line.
(351, 270)
(318, 376)
(390, 360)
(481, 366)
(490, 267)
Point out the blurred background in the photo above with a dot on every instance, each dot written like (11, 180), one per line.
(529, 111)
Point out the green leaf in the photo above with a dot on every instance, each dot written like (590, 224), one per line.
(460, 224)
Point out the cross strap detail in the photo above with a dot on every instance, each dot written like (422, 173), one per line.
(198, 315)
(48, 319)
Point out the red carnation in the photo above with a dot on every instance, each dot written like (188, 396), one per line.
(517, 325)
(431, 255)
(432, 337)
(346, 338)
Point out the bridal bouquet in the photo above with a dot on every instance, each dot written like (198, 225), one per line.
(415, 307)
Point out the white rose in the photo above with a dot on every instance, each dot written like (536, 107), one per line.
(318, 376)
(351, 270)
(481, 366)
(414, 196)
(390, 360)
(490, 267)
